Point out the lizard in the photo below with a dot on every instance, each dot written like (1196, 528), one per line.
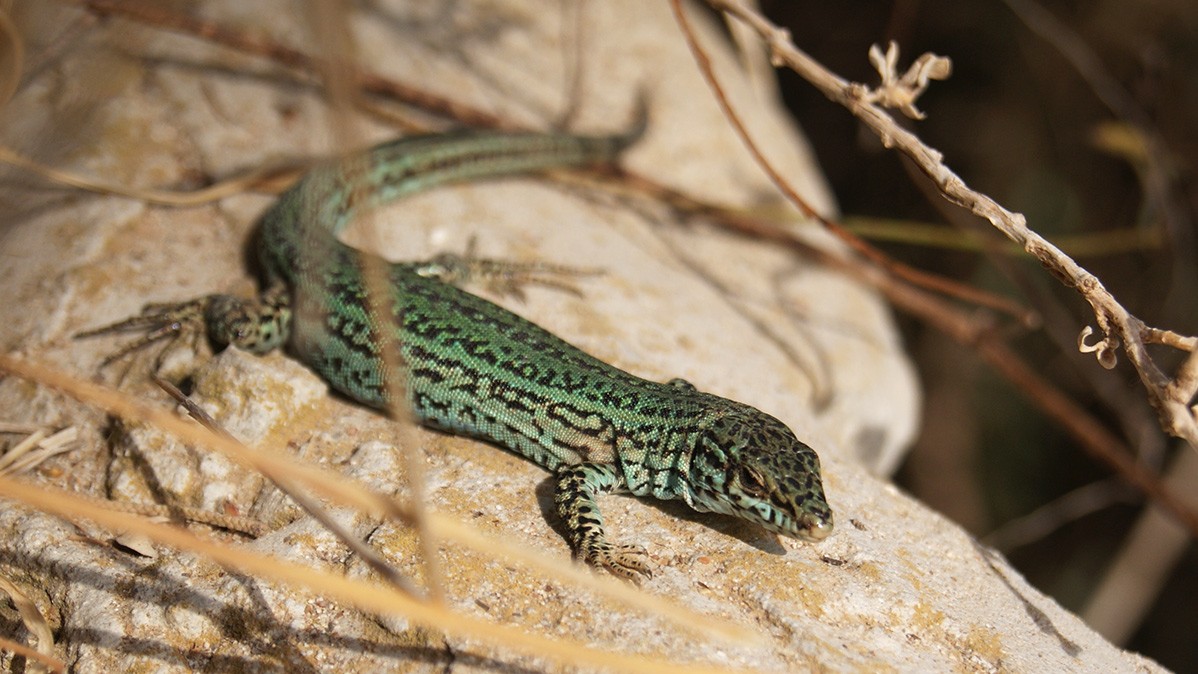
(473, 368)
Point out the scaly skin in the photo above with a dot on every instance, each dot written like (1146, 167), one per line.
(475, 369)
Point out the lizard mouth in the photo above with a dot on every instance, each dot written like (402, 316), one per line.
(814, 528)
(805, 525)
(809, 527)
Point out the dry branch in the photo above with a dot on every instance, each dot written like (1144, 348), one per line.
(1170, 397)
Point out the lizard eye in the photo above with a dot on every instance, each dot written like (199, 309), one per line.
(751, 482)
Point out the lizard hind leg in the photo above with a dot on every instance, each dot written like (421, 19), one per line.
(576, 489)
(505, 278)
(680, 383)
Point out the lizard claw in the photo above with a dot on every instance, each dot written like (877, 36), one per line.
(630, 562)
(159, 321)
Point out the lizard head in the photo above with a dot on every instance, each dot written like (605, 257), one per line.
(749, 464)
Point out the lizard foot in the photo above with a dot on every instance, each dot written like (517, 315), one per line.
(257, 325)
(158, 321)
(629, 562)
(503, 277)
(577, 486)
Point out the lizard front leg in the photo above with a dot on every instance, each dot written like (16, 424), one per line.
(257, 325)
(577, 486)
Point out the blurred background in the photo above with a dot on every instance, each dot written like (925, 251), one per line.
(1083, 116)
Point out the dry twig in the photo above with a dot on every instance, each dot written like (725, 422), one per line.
(1170, 396)
(250, 43)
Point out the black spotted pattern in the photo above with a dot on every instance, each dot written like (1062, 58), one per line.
(471, 367)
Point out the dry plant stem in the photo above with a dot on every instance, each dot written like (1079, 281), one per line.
(33, 620)
(261, 46)
(764, 230)
(338, 489)
(1067, 508)
(378, 300)
(328, 21)
(51, 664)
(35, 449)
(897, 269)
(145, 12)
(1134, 415)
(364, 595)
(1085, 429)
(309, 505)
(1119, 325)
(574, 15)
(242, 525)
(220, 190)
(23, 429)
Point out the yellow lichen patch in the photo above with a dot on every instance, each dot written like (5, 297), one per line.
(926, 618)
(984, 645)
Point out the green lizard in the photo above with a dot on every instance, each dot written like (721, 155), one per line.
(475, 369)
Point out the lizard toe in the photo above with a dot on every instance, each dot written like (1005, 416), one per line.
(630, 562)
